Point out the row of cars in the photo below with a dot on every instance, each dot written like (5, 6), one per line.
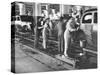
(88, 24)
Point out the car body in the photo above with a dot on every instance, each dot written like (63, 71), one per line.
(89, 26)
(21, 21)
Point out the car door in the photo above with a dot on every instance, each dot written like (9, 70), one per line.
(90, 29)
(95, 28)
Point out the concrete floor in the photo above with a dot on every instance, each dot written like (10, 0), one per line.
(31, 60)
(28, 59)
(25, 64)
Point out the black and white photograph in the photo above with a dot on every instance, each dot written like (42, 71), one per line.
(48, 37)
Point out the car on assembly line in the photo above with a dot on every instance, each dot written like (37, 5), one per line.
(89, 24)
(22, 22)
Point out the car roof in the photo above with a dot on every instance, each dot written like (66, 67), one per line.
(91, 10)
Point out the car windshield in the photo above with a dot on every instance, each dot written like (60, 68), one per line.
(87, 18)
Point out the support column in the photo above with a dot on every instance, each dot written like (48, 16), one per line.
(21, 8)
(61, 9)
(36, 31)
